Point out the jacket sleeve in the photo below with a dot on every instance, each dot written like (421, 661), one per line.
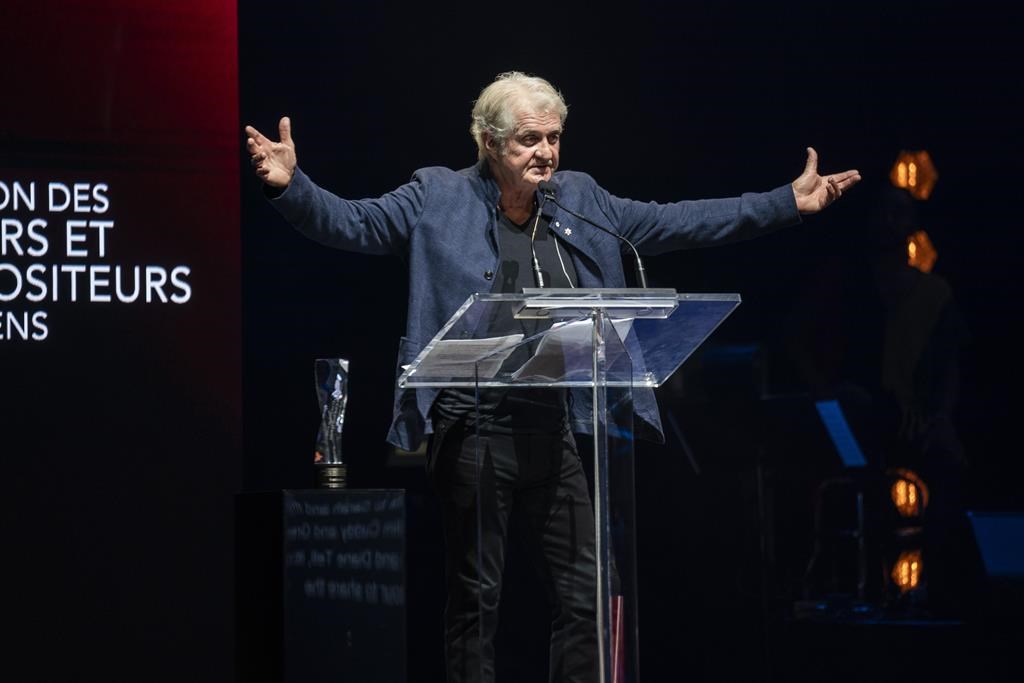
(658, 228)
(370, 226)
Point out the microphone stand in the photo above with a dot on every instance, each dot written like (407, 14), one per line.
(538, 276)
(549, 193)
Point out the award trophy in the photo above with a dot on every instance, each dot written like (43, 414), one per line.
(332, 396)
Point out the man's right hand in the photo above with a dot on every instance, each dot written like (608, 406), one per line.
(274, 161)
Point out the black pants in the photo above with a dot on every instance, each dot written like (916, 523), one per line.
(540, 478)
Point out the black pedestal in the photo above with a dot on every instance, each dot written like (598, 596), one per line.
(320, 586)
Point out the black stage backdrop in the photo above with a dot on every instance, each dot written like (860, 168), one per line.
(119, 125)
(667, 101)
(119, 338)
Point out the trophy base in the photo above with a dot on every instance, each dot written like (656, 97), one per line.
(333, 476)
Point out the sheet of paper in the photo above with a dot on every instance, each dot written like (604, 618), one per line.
(566, 341)
(458, 358)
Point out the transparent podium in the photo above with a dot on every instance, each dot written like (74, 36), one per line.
(601, 345)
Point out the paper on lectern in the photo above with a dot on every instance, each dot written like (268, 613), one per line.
(562, 341)
(466, 358)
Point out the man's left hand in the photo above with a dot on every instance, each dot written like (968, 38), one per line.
(814, 192)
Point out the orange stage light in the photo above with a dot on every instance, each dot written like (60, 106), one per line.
(908, 493)
(915, 173)
(921, 252)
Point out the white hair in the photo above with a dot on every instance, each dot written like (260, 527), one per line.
(512, 94)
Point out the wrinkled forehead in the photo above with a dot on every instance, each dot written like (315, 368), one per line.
(543, 122)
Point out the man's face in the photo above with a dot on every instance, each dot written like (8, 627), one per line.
(531, 154)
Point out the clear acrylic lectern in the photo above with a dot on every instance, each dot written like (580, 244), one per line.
(604, 343)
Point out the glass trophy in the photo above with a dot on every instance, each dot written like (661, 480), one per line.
(332, 396)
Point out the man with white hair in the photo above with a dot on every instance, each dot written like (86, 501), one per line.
(476, 230)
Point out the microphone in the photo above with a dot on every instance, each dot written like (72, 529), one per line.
(538, 277)
(547, 188)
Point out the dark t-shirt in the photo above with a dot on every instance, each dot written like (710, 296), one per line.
(526, 409)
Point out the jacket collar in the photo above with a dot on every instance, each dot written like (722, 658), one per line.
(487, 185)
(481, 171)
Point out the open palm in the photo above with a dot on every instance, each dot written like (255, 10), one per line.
(274, 161)
(814, 192)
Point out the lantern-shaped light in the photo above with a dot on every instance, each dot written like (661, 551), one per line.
(915, 173)
(921, 252)
(908, 493)
(907, 570)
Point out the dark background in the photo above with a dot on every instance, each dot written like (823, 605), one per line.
(667, 101)
(120, 521)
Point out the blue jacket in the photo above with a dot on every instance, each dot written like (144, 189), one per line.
(443, 223)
